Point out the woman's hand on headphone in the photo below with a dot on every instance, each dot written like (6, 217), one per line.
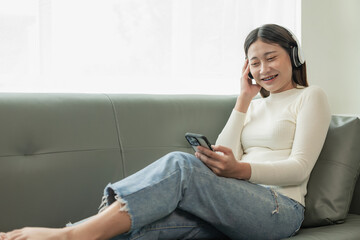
(248, 89)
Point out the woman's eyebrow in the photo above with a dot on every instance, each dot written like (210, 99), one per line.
(265, 54)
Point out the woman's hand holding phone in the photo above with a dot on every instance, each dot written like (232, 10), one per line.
(223, 163)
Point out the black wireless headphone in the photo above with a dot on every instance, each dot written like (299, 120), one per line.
(296, 54)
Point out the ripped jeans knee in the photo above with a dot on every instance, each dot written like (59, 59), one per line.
(110, 198)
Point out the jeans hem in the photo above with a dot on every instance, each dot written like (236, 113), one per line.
(114, 195)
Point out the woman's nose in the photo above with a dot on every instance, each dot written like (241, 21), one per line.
(264, 68)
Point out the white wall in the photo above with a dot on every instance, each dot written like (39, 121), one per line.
(331, 43)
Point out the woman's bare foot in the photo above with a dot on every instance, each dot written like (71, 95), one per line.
(111, 222)
(37, 234)
(2, 236)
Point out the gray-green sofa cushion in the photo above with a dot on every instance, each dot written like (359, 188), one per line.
(333, 178)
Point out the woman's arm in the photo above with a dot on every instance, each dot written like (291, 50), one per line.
(230, 136)
(228, 149)
(231, 133)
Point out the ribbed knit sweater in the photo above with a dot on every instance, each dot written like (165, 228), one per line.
(281, 136)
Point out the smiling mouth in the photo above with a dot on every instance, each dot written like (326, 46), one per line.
(269, 78)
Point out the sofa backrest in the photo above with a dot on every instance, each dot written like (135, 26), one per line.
(58, 151)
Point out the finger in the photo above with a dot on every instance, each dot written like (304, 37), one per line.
(204, 158)
(245, 65)
(209, 162)
(204, 150)
(14, 234)
(209, 153)
(223, 149)
(246, 81)
(245, 73)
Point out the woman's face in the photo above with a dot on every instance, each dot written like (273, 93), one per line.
(270, 66)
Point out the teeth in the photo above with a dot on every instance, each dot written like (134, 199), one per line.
(269, 78)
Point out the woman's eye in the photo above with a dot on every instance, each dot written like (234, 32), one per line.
(271, 58)
(254, 64)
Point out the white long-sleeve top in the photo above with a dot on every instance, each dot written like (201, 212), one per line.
(281, 136)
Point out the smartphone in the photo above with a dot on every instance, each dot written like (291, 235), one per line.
(198, 140)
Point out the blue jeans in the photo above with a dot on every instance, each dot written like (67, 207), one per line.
(178, 197)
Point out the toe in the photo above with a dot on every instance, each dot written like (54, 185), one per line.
(3, 236)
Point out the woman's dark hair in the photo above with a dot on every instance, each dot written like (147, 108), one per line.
(272, 33)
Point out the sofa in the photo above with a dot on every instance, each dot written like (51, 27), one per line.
(59, 151)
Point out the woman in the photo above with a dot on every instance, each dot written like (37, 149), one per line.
(252, 187)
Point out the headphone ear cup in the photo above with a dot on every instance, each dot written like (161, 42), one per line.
(296, 57)
(300, 55)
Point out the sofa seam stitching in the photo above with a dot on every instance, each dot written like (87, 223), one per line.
(118, 135)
